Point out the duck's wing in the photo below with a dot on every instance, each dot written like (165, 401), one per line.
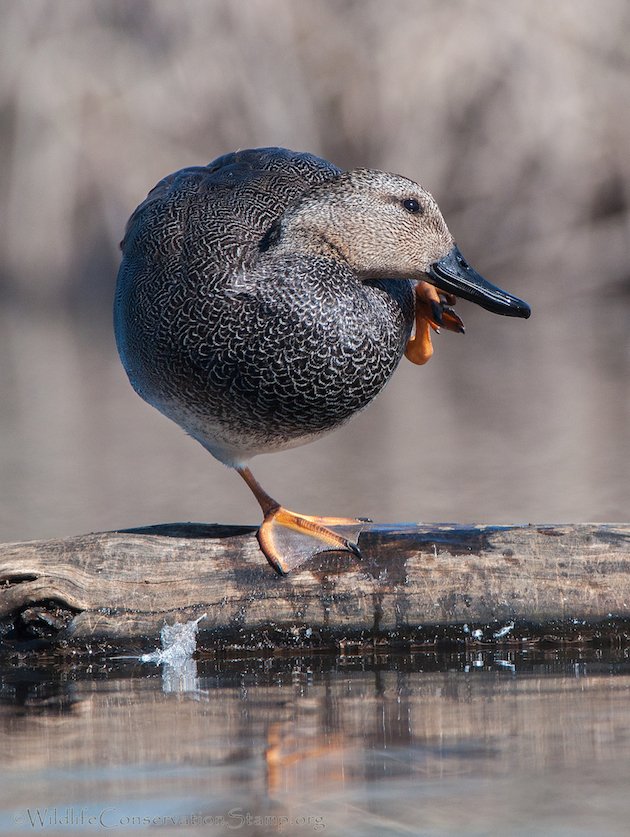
(235, 199)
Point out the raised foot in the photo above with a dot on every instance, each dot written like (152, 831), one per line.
(288, 539)
(433, 311)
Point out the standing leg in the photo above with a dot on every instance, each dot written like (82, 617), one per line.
(288, 539)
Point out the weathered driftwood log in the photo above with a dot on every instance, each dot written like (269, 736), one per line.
(415, 584)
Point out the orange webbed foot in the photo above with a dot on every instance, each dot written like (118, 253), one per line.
(433, 310)
(288, 539)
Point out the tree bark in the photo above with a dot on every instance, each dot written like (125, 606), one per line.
(416, 585)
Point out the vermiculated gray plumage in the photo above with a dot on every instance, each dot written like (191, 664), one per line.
(249, 347)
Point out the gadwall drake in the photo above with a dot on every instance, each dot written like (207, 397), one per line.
(264, 299)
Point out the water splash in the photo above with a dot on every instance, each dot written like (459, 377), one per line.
(179, 669)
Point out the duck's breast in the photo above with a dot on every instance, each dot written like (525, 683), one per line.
(303, 348)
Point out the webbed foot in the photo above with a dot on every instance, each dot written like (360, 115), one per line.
(433, 311)
(288, 539)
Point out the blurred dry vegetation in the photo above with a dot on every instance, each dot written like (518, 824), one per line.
(515, 115)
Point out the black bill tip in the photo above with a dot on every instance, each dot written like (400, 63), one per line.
(454, 275)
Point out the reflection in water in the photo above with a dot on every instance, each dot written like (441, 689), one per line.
(512, 743)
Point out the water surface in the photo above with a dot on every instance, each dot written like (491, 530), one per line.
(497, 742)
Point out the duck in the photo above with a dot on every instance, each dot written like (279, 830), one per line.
(264, 299)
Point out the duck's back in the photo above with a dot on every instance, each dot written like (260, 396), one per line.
(210, 216)
(243, 360)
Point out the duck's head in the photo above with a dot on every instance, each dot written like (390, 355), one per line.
(386, 226)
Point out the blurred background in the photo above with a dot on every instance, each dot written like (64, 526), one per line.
(515, 115)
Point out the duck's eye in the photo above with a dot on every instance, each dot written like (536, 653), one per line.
(412, 205)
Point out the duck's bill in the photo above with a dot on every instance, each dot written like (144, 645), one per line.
(453, 274)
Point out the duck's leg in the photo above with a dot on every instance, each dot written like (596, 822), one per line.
(433, 309)
(288, 539)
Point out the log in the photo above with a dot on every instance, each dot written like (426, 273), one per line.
(416, 585)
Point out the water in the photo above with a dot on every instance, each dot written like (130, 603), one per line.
(496, 742)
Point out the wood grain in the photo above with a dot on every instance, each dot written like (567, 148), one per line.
(415, 584)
